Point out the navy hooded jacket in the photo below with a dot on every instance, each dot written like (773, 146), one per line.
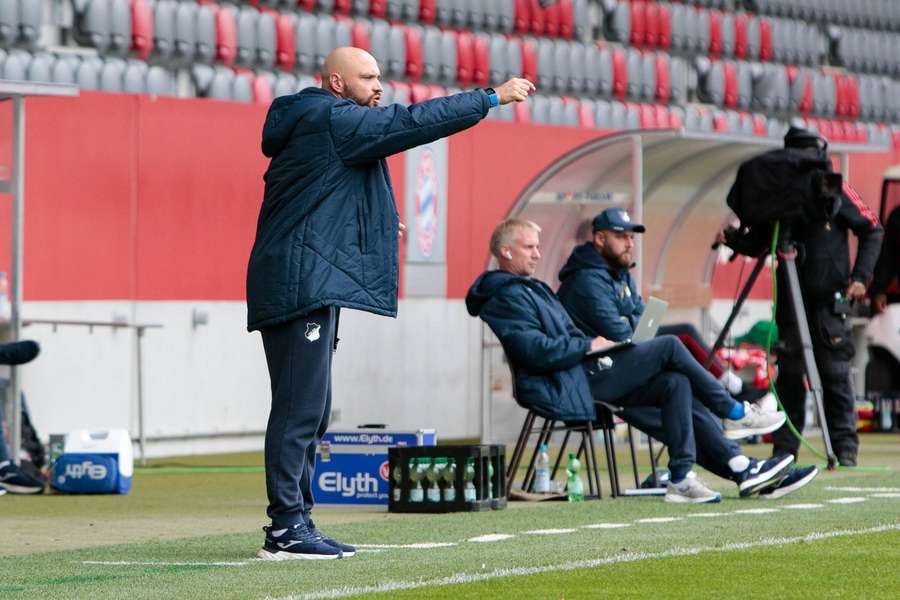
(540, 341)
(328, 226)
(601, 299)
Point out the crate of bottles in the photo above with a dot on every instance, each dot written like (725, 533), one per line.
(438, 479)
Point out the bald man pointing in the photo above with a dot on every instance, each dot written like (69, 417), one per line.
(326, 238)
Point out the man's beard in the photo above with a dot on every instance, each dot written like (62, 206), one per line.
(621, 260)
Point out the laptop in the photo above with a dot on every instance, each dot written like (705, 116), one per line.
(646, 329)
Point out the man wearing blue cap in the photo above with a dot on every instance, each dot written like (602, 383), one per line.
(602, 298)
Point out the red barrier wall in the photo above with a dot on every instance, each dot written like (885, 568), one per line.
(134, 197)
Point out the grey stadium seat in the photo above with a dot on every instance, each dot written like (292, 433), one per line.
(632, 117)
(498, 55)
(112, 75)
(265, 40)
(379, 42)
(546, 64)
(570, 113)
(160, 82)
(15, 67)
(205, 35)
(506, 12)
(448, 57)
(679, 27)
(513, 58)
(360, 7)
(443, 12)
(540, 109)
(30, 13)
(387, 94)
(556, 111)
(491, 21)
(635, 66)
(40, 67)
(120, 27)
(306, 43)
(9, 22)
(753, 38)
(727, 35)
(325, 6)
(619, 115)
(604, 72)
(164, 29)
(476, 15)
(343, 33)
(411, 10)
(431, 53)
(91, 23)
(285, 85)
(397, 53)
(603, 114)
(575, 66)
(648, 76)
(619, 23)
(395, 10)
(745, 84)
(711, 80)
(242, 88)
(325, 39)
(400, 95)
(591, 68)
(65, 69)
(247, 22)
(701, 42)
(679, 80)
(220, 84)
(185, 33)
(581, 21)
(134, 78)
(459, 13)
(87, 76)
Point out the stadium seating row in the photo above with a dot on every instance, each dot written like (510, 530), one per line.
(870, 14)
(20, 22)
(868, 51)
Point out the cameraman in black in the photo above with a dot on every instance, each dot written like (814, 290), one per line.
(828, 285)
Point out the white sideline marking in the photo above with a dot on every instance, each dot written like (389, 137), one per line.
(755, 511)
(606, 525)
(459, 578)
(419, 546)
(708, 515)
(658, 520)
(847, 500)
(803, 506)
(491, 537)
(886, 495)
(140, 563)
(549, 531)
(862, 489)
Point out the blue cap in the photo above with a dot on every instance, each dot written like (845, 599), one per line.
(616, 219)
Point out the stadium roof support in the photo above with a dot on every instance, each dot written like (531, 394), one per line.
(17, 92)
(673, 180)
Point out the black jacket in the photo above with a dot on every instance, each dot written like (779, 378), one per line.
(601, 299)
(327, 229)
(887, 269)
(540, 341)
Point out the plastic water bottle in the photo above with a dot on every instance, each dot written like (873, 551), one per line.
(434, 475)
(469, 493)
(416, 493)
(575, 485)
(450, 481)
(397, 476)
(542, 471)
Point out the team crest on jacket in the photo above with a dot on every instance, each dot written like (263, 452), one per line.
(312, 331)
(426, 203)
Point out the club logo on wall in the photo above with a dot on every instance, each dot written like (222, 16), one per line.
(426, 203)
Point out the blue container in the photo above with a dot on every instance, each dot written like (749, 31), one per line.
(352, 466)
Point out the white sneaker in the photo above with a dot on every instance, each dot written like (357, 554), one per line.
(754, 422)
(691, 490)
(768, 403)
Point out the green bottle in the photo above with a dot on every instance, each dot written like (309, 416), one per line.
(575, 485)
(450, 481)
(469, 493)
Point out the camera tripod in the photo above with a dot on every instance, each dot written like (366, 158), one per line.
(787, 254)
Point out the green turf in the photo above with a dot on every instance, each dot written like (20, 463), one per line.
(214, 517)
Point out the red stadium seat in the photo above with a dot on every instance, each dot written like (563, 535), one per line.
(522, 112)
(413, 38)
(638, 23)
(648, 116)
(419, 92)
(465, 58)
(551, 20)
(436, 91)
(307, 5)
(664, 33)
(537, 17)
(675, 120)
(343, 7)
(663, 78)
(566, 19)
(359, 36)
(427, 10)
(522, 19)
(720, 122)
(759, 125)
(285, 41)
(378, 8)
(853, 104)
(841, 93)
(715, 33)
(529, 61)
(482, 69)
(141, 28)
(262, 89)
(226, 36)
(651, 27)
(586, 114)
(620, 73)
(740, 35)
(662, 115)
(731, 84)
(765, 39)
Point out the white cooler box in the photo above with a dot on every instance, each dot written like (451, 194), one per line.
(94, 462)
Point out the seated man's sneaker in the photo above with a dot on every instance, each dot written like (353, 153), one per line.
(762, 474)
(691, 490)
(297, 542)
(15, 480)
(847, 460)
(347, 549)
(796, 479)
(754, 422)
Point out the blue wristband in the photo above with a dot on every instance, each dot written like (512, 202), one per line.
(492, 97)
